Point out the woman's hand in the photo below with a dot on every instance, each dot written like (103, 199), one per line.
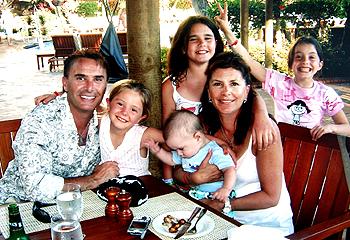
(216, 204)
(205, 173)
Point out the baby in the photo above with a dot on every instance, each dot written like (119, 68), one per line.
(184, 134)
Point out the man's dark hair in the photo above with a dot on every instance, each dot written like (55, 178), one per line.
(84, 53)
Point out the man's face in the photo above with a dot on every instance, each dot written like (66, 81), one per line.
(85, 85)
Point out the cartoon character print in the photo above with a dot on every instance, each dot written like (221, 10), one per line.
(298, 108)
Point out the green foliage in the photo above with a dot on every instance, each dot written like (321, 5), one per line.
(42, 20)
(163, 62)
(256, 13)
(180, 4)
(279, 55)
(87, 9)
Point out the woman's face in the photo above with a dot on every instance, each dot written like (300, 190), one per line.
(201, 44)
(227, 90)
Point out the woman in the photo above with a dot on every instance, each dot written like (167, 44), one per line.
(261, 194)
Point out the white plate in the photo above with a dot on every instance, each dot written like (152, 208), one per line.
(205, 225)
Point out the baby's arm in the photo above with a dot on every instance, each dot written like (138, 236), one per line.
(160, 152)
(229, 180)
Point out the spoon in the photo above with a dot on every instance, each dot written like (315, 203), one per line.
(194, 229)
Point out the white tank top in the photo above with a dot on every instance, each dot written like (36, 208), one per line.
(127, 154)
(182, 103)
(279, 216)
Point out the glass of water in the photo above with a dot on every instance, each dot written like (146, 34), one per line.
(70, 201)
(65, 229)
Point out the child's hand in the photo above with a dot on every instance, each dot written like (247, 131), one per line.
(46, 98)
(263, 133)
(318, 131)
(152, 145)
(222, 194)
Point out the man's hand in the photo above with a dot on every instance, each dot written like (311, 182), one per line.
(105, 171)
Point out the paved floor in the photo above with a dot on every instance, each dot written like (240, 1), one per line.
(21, 81)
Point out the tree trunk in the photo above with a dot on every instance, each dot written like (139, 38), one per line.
(345, 45)
(268, 34)
(144, 56)
(199, 6)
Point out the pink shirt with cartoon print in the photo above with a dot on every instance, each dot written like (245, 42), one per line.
(301, 106)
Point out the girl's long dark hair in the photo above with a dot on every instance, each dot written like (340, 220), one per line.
(177, 56)
(210, 115)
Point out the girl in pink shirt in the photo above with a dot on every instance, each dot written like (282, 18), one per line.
(299, 100)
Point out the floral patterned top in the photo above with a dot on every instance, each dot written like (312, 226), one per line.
(47, 151)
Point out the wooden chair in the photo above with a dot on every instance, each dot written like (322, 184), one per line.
(317, 183)
(64, 46)
(123, 40)
(91, 40)
(8, 130)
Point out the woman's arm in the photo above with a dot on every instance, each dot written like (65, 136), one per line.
(269, 165)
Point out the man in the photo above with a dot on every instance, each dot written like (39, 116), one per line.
(58, 143)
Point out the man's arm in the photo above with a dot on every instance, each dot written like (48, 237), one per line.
(101, 174)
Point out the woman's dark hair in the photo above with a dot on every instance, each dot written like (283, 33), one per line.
(84, 53)
(210, 115)
(177, 56)
(304, 40)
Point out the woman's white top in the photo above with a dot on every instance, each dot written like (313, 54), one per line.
(127, 154)
(279, 216)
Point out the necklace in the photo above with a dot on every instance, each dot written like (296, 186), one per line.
(82, 137)
(230, 142)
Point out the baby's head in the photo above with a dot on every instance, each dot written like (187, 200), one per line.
(184, 133)
(131, 96)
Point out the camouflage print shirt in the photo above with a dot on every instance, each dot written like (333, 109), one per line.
(47, 151)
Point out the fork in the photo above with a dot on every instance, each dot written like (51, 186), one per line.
(194, 229)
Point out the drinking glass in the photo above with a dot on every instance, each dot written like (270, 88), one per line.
(70, 201)
(65, 229)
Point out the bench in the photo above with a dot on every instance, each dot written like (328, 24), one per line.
(8, 130)
(317, 181)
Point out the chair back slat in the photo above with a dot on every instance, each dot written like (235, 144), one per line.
(64, 45)
(91, 40)
(314, 174)
(8, 130)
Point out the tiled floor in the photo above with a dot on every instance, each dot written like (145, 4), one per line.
(21, 81)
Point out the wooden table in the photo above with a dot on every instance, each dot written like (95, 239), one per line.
(105, 228)
(40, 57)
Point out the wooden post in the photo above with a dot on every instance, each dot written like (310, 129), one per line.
(245, 23)
(144, 55)
(268, 33)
